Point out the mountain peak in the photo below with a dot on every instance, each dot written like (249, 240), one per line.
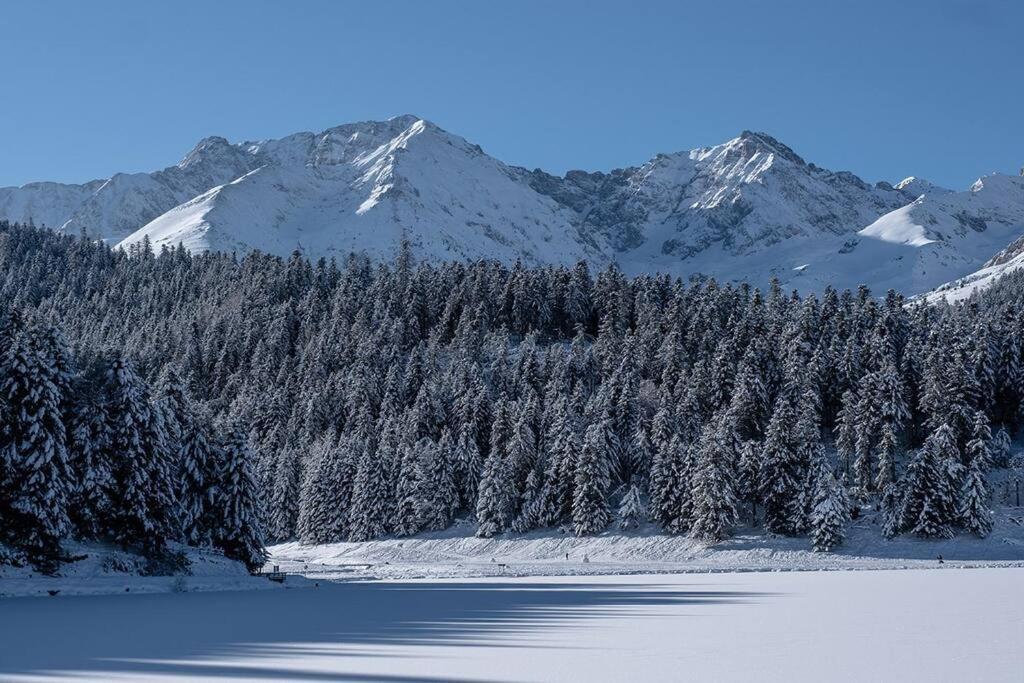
(204, 149)
(407, 119)
(918, 186)
(763, 141)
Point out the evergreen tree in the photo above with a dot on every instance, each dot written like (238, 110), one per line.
(370, 514)
(590, 513)
(33, 502)
(409, 501)
(132, 522)
(441, 496)
(632, 512)
(925, 509)
(197, 481)
(1001, 448)
(496, 499)
(714, 488)
(979, 448)
(973, 510)
(237, 532)
(830, 512)
(780, 480)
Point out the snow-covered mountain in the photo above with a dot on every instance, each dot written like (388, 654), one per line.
(947, 235)
(747, 209)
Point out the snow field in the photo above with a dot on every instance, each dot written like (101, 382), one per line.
(946, 625)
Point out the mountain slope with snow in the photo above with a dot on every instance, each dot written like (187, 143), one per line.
(362, 187)
(746, 210)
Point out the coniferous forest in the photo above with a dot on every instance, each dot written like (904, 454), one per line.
(227, 401)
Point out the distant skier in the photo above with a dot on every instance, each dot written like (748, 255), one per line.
(940, 559)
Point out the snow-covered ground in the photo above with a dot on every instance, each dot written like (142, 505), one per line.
(103, 570)
(457, 553)
(945, 625)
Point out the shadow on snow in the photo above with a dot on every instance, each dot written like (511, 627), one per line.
(208, 635)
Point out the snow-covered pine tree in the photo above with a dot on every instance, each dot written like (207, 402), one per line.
(715, 504)
(590, 514)
(132, 522)
(237, 531)
(780, 481)
(285, 485)
(1001, 448)
(197, 481)
(641, 452)
(846, 430)
(530, 505)
(370, 513)
(494, 504)
(748, 484)
(926, 505)
(410, 490)
(667, 483)
(440, 493)
(973, 511)
(830, 511)
(468, 465)
(33, 497)
(979, 448)
(562, 451)
(496, 497)
(892, 511)
(162, 451)
(887, 447)
(88, 450)
(632, 512)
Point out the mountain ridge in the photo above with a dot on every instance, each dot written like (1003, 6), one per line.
(750, 208)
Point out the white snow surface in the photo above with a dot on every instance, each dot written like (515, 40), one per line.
(104, 570)
(936, 626)
(456, 552)
(1006, 261)
(748, 209)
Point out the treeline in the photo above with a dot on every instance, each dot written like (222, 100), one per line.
(89, 451)
(390, 398)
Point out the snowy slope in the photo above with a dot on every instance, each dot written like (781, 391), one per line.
(1006, 261)
(939, 237)
(114, 208)
(457, 552)
(746, 210)
(362, 187)
(1007, 216)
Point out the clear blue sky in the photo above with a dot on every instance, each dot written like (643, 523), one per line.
(884, 89)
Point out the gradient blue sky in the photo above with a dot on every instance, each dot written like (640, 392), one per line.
(884, 89)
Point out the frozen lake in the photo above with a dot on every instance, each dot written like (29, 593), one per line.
(920, 625)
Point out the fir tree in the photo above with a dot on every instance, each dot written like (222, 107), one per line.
(925, 509)
(973, 510)
(830, 512)
(237, 532)
(714, 488)
(33, 502)
(133, 523)
(441, 497)
(590, 513)
(780, 483)
(632, 512)
(197, 481)
(1001, 448)
(370, 514)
